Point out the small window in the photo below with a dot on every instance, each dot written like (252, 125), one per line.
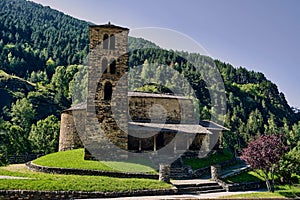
(104, 65)
(112, 42)
(105, 41)
(112, 67)
(107, 91)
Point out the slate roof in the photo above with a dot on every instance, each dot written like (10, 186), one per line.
(156, 95)
(109, 25)
(80, 106)
(186, 128)
(212, 125)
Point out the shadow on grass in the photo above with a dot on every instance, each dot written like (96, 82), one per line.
(290, 194)
(289, 191)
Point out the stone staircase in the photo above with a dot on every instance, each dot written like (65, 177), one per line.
(199, 188)
(188, 181)
(180, 171)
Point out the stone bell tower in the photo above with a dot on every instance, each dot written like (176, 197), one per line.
(108, 63)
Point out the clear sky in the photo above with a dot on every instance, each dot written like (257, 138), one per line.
(261, 35)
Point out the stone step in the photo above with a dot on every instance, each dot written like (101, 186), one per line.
(196, 185)
(180, 173)
(196, 188)
(212, 191)
(183, 174)
(181, 177)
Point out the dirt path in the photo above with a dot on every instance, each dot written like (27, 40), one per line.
(14, 168)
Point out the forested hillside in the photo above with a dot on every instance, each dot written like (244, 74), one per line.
(31, 35)
(42, 57)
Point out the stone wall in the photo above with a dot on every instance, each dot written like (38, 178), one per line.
(216, 172)
(102, 129)
(68, 136)
(246, 186)
(61, 195)
(161, 109)
(140, 109)
(164, 172)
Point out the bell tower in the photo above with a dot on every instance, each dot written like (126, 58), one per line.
(108, 63)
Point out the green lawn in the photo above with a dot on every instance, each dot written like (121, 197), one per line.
(214, 158)
(249, 176)
(285, 191)
(75, 159)
(55, 182)
(281, 191)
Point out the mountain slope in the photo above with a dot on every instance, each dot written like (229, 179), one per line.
(31, 34)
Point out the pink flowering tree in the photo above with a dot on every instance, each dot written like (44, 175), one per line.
(264, 154)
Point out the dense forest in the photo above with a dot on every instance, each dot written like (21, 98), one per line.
(43, 66)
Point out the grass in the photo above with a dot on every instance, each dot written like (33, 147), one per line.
(253, 176)
(281, 191)
(285, 191)
(75, 159)
(258, 195)
(214, 158)
(54, 182)
(249, 176)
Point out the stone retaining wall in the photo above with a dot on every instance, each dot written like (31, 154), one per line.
(56, 170)
(236, 173)
(206, 170)
(57, 195)
(240, 186)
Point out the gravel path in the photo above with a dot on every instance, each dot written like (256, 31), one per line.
(12, 177)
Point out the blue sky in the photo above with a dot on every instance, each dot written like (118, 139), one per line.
(261, 35)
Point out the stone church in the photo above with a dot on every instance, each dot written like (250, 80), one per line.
(132, 121)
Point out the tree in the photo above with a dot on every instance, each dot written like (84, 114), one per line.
(78, 85)
(293, 136)
(59, 85)
(22, 114)
(17, 140)
(254, 123)
(146, 73)
(272, 126)
(3, 142)
(50, 66)
(264, 154)
(44, 135)
(289, 165)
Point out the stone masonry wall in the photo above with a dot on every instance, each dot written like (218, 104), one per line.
(101, 128)
(61, 195)
(139, 109)
(165, 110)
(68, 137)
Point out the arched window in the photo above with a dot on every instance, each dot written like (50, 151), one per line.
(112, 67)
(105, 41)
(112, 41)
(104, 65)
(107, 91)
